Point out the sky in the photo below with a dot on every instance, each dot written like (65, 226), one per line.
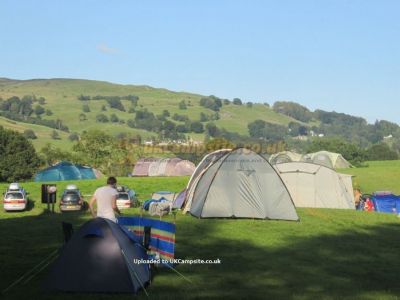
(336, 55)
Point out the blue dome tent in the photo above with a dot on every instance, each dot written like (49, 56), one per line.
(65, 171)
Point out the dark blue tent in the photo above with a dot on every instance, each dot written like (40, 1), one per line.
(100, 257)
(65, 171)
(387, 203)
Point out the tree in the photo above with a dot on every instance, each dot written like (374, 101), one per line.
(381, 152)
(30, 134)
(182, 128)
(83, 98)
(294, 110)
(116, 103)
(169, 126)
(249, 104)
(54, 135)
(203, 117)
(161, 118)
(73, 137)
(102, 118)
(103, 108)
(49, 112)
(227, 102)
(181, 118)
(237, 101)
(82, 117)
(166, 113)
(182, 105)
(85, 108)
(106, 153)
(51, 155)
(121, 136)
(18, 159)
(197, 127)
(211, 102)
(268, 131)
(114, 118)
(215, 116)
(131, 123)
(39, 110)
(351, 152)
(42, 101)
(212, 129)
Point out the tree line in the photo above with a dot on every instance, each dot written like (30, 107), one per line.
(22, 110)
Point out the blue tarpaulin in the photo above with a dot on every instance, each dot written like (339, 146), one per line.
(386, 203)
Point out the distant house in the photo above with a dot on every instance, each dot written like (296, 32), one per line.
(301, 137)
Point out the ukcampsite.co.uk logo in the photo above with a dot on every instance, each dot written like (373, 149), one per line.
(180, 261)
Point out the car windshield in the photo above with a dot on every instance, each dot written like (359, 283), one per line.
(14, 196)
(72, 192)
(71, 197)
(123, 196)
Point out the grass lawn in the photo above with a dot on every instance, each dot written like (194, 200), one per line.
(329, 254)
(378, 176)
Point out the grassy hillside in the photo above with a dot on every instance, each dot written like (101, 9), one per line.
(61, 96)
(43, 133)
(329, 254)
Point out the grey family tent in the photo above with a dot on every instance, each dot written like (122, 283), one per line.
(163, 167)
(206, 162)
(328, 159)
(100, 257)
(312, 185)
(240, 184)
(67, 171)
(284, 157)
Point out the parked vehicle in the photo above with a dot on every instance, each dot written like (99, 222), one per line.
(15, 198)
(71, 199)
(126, 197)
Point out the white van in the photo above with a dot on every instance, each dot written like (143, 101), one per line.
(15, 198)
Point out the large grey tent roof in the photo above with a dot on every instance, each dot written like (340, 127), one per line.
(207, 160)
(327, 159)
(205, 163)
(163, 167)
(312, 185)
(100, 257)
(240, 184)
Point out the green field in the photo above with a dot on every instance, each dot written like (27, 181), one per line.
(329, 254)
(61, 98)
(378, 176)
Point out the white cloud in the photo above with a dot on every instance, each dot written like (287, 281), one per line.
(104, 48)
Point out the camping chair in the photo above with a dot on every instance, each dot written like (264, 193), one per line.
(68, 231)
